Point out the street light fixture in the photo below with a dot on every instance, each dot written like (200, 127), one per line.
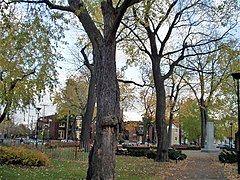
(236, 76)
(38, 111)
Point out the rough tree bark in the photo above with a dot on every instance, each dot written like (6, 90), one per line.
(161, 126)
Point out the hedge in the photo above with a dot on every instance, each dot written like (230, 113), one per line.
(22, 156)
(228, 156)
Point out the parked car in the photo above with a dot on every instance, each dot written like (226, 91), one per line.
(225, 146)
(65, 140)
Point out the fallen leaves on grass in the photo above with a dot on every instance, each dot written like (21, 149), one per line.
(231, 171)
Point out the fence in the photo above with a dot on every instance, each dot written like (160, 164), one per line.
(68, 153)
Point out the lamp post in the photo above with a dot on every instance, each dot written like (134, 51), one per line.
(149, 124)
(49, 127)
(38, 111)
(236, 76)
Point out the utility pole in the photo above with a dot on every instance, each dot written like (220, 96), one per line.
(43, 120)
(44, 110)
(67, 125)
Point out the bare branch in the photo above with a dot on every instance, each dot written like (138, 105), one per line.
(132, 82)
(120, 12)
(48, 3)
(166, 16)
(86, 61)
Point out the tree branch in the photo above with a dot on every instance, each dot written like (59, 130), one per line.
(86, 61)
(48, 3)
(132, 82)
(121, 11)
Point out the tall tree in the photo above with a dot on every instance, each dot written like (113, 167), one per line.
(102, 157)
(91, 99)
(147, 96)
(176, 86)
(190, 120)
(73, 97)
(166, 32)
(84, 64)
(208, 74)
(27, 59)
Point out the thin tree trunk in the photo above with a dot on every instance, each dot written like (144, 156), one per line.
(2, 117)
(88, 116)
(203, 125)
(203, 122)
(170, 128)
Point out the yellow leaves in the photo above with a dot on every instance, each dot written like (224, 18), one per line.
(78, 12)
(73, 96)
(25, 47)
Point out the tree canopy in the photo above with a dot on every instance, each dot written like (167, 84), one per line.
(27, 59)
(190, 120)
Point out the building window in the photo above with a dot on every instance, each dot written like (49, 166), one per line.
(176, 130)
(175, 138)
(61, 124)
(61, 134)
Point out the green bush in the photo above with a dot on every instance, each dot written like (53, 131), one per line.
(228, 156)
(22, 156)
(151, 154)
(137, 152)
(121, 152)
(176, 155)
(173, 154)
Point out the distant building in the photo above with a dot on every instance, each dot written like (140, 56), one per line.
(54, 129)
(134, 132)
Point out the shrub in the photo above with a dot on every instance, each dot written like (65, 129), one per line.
(137, 152)
(22, 156)
(228, 156)
(176, 155)
(151, 154)
(173, 154)
(121, 152)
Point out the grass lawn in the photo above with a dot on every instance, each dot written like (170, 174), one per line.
(58, 169)
(128, 168)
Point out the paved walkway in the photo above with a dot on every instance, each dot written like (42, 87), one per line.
(200, 166)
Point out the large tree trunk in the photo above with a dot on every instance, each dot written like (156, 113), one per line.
(88, 116)
(161, 127)
(102, 157)
(102, 160)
